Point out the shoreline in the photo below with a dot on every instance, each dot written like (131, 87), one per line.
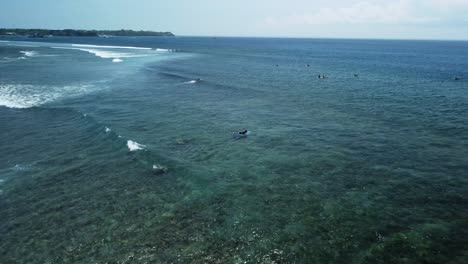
(45, 33)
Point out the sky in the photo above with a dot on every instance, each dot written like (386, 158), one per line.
(398, 19)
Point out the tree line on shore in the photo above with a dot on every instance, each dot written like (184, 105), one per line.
(79, 32)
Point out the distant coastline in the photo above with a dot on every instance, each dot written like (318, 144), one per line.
(44, 33)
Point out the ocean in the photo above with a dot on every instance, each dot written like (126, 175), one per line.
(121, 150)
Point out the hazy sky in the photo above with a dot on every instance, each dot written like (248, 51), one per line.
(413, 19)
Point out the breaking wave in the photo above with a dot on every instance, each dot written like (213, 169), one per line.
(164, 50)
(107, 54)
(108, 47)
(134, 146)
(28, 53)
(193, 81)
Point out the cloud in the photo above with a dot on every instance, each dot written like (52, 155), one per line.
(449, 3)
(363, 12)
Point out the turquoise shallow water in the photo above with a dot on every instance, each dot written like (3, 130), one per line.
(111, 153)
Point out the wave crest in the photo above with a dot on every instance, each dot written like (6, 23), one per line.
(134, 146)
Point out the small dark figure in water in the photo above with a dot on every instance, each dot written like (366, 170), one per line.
(356, 75)
(308, 65)
(276, 65)
(457, 79)
(243, 132)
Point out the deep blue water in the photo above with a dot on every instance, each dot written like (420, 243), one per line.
(111, 152)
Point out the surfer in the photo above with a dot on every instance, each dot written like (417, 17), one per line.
(243, 132)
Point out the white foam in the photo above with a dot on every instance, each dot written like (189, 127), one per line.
(109, 47)
(7, 60)
(134, 146)
(21, 58)
(193, 81)
(117, 60)
(29, 53)
(11, 96)
(4, 41)
(108, 130)
(49, 55)
(26, 96)
(159, 168)
(164, 50)
(107, 54)
(20, 167)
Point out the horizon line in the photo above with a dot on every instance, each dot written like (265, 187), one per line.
(317, 37)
